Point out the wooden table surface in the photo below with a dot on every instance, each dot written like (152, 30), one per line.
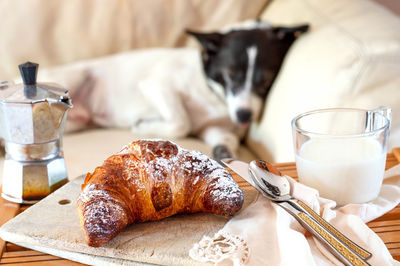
(386, 226)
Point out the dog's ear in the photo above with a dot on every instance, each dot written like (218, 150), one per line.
(210, 41)
(284, 32)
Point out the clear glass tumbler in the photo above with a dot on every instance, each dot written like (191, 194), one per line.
(341, 152)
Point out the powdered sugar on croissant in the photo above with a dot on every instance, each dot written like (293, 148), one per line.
(150, 180)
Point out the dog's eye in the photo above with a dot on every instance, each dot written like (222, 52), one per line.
(239, 76)
(236, 75)
(258, 77)
(261, 90)
(231, 72)
(261, 77)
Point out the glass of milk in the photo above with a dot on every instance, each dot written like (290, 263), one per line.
(341, 152)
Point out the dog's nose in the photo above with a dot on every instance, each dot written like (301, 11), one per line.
(244, 115)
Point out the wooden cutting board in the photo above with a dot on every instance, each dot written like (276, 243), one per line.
(52, 226)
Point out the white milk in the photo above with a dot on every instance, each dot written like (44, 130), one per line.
(347, 170)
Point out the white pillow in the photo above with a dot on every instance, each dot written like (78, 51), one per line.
(350, 58)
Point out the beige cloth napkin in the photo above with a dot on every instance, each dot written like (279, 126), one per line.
(265, 234)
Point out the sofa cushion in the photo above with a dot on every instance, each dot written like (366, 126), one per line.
(57, 32)
(350, 58)
(84, 151)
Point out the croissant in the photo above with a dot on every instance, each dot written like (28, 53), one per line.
(150, 180)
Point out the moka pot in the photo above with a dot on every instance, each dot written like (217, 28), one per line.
(32, 120)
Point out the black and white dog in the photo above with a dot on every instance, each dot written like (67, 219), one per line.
(241, 64)
(164, 92)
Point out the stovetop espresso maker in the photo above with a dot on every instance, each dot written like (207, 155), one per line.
(32, 120)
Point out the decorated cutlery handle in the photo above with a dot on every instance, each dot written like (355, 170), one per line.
(344, 253)
(337, 248)
(362, 252)
(302, 207)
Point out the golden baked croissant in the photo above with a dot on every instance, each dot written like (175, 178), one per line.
(150, 180)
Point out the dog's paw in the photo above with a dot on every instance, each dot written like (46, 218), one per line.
(137, 123)
(158, 127)
(146, 126)
(2, 147)
(221, 152)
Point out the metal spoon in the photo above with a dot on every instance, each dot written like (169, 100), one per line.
(273, 185)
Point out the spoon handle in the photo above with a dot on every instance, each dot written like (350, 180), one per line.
(362, 252)
(304, 208)
(345, 254)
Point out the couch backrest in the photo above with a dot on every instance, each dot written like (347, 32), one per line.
(57, 31)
